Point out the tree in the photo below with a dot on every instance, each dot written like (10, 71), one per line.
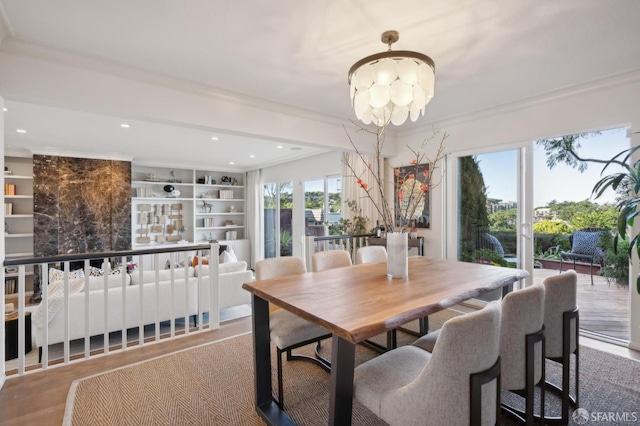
(473, 202)
(564, 150)
(551, 227)
(503, 220)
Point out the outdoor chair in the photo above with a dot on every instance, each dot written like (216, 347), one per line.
(288, 331)
(585, 247)
(410, 386)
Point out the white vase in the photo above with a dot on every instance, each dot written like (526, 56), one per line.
(397, 255)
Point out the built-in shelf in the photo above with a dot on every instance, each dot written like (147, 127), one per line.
(19, 216)
(18, 235)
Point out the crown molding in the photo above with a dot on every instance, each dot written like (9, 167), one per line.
(6, 30)
(19, 47)
(54, 152)
(622, 79)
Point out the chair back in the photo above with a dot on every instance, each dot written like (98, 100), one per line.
(467, 344)
(522, 314)
(330, 259)
(371, 254)
(276, 267)
(560, 297)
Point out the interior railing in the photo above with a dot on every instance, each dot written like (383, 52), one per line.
(350, 243)
(147, 262)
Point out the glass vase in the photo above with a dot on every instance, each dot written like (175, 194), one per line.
(397, 255)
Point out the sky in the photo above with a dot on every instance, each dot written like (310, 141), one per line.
(563, 183)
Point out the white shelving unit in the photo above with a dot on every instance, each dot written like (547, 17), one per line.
(211, 209)
(19, 222)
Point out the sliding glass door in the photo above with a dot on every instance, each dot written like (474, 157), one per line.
(492, 200)
(278, 207)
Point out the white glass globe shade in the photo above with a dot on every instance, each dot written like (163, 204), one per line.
(379, 95)
(361, 103)
(414, 112)
(367, 117)
(419, 97)
(408, 71)
(426, 78)
(401, 93)
(363, 77)
(380, 116)
(399, 115)
(386, 71)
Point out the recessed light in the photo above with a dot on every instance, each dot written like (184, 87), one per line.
(252, 156)
(21, 131)
(231, 162)
(125, 126)
(4, 109)
(280, 147)
(214, 138)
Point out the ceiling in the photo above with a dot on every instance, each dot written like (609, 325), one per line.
(297, 53)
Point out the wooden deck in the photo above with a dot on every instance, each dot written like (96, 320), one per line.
(604, 307)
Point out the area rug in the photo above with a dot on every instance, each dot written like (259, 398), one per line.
(213, 385)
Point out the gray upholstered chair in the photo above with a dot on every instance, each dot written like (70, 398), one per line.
(522, 349)
(371, 254)
(410, 386)
(330, 259)
(288, 331)
(561, 323)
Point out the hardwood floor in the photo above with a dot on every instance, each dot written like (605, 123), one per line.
(39, 398)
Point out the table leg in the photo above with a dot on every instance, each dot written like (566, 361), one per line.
(265, 405)
(343, 354)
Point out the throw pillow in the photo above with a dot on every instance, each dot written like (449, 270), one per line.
(585, 242)
(55, 295)
(232, 254)
(205, 261)
(225, 257)
(58, 275)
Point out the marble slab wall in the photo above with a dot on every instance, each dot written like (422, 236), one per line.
(80, 205)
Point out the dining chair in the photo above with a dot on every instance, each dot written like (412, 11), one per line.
(288, 331)
(330, 259)
(522, 350)
(410, 386)
(561, 322)
(371, 254)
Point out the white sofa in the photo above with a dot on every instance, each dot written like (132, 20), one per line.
(231, 278)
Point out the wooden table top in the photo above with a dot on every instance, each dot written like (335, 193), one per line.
(360, 301)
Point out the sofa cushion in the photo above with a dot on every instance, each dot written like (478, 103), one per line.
(226, 268)
(113, 280)
(165, 275)
(228, 256)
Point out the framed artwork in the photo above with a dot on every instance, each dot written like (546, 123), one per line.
(409, 182)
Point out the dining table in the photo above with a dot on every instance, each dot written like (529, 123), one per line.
(355, 303)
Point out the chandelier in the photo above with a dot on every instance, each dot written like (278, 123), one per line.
(390, 86)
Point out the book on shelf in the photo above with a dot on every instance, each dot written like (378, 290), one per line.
(8, 209)
(9, 189)
(226, 194)
(10, 285)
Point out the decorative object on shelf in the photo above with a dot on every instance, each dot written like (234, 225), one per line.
(232, 208)
(151, 177)
(173, 178)
(389, 86)
(397, 255)
(413, 232)
(228, 180)
(206, 180)
(171, 191)
(206, 207)
(7, 172)
(228, 223)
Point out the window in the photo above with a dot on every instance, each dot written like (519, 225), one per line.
(278, 205)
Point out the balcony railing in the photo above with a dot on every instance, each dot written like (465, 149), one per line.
(350, 243)
(109, 304)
